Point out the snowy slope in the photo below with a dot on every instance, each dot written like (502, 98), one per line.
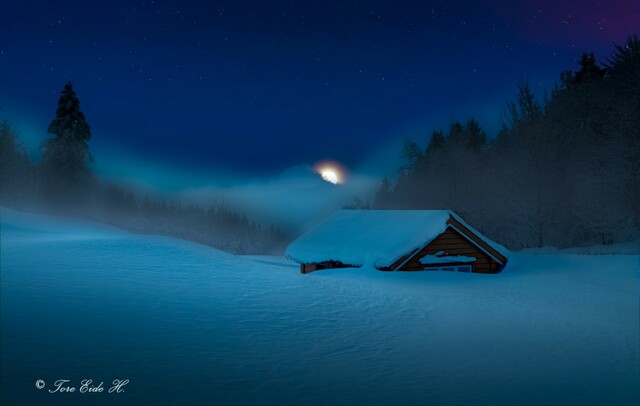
(187, 324)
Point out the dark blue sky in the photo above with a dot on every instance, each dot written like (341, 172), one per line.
(256, 87)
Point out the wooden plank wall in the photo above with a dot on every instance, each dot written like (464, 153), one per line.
(452, 243)
(477, 240)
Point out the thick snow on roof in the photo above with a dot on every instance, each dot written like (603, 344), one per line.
(368, 237)
(499, 248)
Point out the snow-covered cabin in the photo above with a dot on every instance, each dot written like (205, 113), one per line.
(397, 240)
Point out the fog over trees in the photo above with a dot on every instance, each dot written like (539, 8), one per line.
(563, 171)
(16, 172)
(62, 183)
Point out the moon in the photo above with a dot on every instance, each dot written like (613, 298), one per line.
(329, 175)
(331, 171)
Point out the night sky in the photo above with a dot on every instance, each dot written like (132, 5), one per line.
(254, 88)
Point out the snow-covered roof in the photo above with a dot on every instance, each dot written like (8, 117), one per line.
(373, 237)
(492, 244)
(368, 237)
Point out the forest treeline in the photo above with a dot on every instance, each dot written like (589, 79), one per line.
(563, 171)
(63, 183)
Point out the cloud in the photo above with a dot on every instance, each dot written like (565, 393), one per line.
(294, 200)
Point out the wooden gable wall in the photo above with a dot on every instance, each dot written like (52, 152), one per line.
(453, 243)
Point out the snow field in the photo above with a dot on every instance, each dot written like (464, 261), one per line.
(188, 324)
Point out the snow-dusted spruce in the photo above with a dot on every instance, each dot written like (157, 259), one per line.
(395, 240)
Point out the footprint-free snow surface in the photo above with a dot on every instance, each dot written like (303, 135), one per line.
(187, 324)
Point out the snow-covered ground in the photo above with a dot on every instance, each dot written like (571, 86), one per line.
(187, 324)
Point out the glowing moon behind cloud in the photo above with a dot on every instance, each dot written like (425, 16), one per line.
(331, 171)
(329, 176)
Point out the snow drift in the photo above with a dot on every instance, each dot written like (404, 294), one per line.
(187, 324)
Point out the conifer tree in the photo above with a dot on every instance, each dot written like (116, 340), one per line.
(456, 134)
(14, 165)
(624, 70)
(476, 138)
(624, 74)
(436, 142)
(589, 70)
(10, 151)
(383, 195)
(65, 158)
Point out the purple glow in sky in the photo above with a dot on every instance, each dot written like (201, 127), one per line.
(256, 87)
